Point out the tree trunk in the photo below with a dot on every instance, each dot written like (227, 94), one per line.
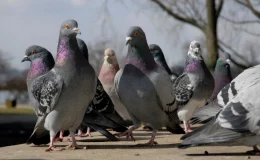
(211, 35)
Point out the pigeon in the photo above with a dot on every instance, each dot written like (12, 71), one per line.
(158, 56)
(222, 77)
(194, 87)
(101, 113)
(64, 92)
(107, 74)
(238, 120)
(145, 89)
(41, 62)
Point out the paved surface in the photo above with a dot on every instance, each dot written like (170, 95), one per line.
(99, 148)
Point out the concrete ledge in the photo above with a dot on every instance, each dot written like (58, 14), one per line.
(99, 148)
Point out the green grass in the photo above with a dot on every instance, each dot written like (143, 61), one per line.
(16, 111)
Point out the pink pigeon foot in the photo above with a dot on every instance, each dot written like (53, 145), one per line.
(128, 133)
(152, 142)
(74, 144)
(52, 147)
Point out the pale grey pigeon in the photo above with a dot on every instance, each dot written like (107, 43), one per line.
(107, 74)
(222, 77)
(41, 62)
(101, 113)
(158, 56)
(239, 120)
(145, 88)
(194, 87)
(66, 90)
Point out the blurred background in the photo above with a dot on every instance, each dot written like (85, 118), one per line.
(219, 25)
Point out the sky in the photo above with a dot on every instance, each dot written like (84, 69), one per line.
(37, 22)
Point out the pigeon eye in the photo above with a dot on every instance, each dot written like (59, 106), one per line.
(136, 33)
(67, 26)
(33, 52)
(223, 57)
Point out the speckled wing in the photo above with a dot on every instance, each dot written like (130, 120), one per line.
(183, 89)
(46, 90)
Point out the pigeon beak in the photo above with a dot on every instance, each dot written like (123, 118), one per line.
(128, 39)
(228, 61)
(26, 58)
(76, 30)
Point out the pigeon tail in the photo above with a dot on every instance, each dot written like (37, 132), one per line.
(103, 131)
(39, 136)
(211, 132)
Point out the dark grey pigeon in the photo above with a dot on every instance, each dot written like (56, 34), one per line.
(145, 88)
(101, 114)
(194, 87)
(66, 90)
(41, 62)
(222, 77)
(239, 119)
(158, 56)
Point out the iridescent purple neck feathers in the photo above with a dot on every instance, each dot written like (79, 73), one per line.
(67, 49)
(140, 57)
(193, 65)
(38, 67)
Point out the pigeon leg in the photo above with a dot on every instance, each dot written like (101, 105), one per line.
(187, 126)
(74, 144)
(128, 133)
(151, 142)
(79, 133)
(255, 151)
(61, 138)
(51, 145)
(88, 134)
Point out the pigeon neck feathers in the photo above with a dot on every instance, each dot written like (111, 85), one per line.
(222, 77)
(68, 51)
(108, 72)
(140, 57)
(39, 67)
(194, 65)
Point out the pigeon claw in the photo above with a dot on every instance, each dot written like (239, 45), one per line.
(127, 134)
(85, 135)
(70, 147)
(52, 148)
(150, 143)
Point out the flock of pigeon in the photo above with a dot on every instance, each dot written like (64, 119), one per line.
(67, 95)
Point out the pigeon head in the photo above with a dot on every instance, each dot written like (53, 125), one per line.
(69, 28)
(156, 51)
(35, 52)
(83, 47)
(223, 62)
(135, 36)
(195, 51)
(110, 56)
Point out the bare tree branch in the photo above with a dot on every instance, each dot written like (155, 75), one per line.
(249, 5)
(190, 21)
(219, 8)
(240, 22)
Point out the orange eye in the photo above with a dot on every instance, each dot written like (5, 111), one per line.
(33, 52)
(223, 57)
(67, 26)
(136, 33)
